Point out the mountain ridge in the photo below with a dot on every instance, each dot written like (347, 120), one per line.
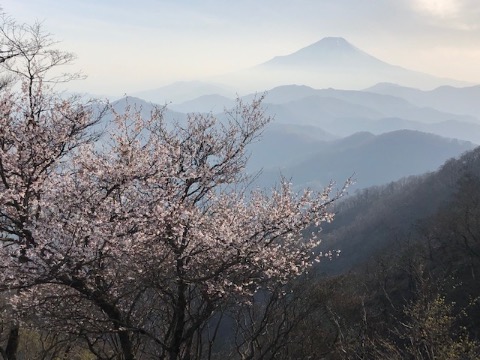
(329, 62)
(327, 51)
(375, 159)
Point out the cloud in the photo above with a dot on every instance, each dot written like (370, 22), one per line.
(438, 8)
(456, 14)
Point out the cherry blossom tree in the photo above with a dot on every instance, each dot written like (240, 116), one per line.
(37, 131)
(134, 241)
(27, 52)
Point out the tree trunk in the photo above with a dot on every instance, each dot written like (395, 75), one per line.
(126, 345)
(12, 344)
(179, 319)
(113, 313)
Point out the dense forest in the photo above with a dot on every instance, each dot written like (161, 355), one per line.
(405, 285)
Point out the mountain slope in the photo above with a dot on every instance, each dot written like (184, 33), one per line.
(206, 103)
(375, 160)
(281, 145)
(182, 91)
(377, 218)
(344, 112)
(378, 105)
(464, 100)
(328, 52)
(455, 129)
(330, 62)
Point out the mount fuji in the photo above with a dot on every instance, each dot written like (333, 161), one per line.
(330, 62)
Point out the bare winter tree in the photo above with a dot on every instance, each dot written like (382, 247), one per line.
(28, 53)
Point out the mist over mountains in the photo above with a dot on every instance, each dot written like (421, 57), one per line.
(315, 139)
(181, 91)
(464, 100)
(337, 111)
(371, 159)
(330, 62)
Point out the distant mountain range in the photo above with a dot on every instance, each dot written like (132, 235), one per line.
(464, 100)
(320, 132)
(330, 62)
(320, 135)
(344, 112)
(213, 103)
(182, 91)
(375, 159)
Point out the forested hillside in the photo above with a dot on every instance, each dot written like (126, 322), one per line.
(382, 216)
(405, 284)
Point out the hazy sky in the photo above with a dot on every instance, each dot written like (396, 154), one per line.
(131, 45)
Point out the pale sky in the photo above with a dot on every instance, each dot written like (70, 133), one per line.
(124, 46)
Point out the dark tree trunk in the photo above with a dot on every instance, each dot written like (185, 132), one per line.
(12, 344)
(113, 313)
(179, 322)
(126, 345)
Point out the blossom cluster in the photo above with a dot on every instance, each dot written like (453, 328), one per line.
(149, 216)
